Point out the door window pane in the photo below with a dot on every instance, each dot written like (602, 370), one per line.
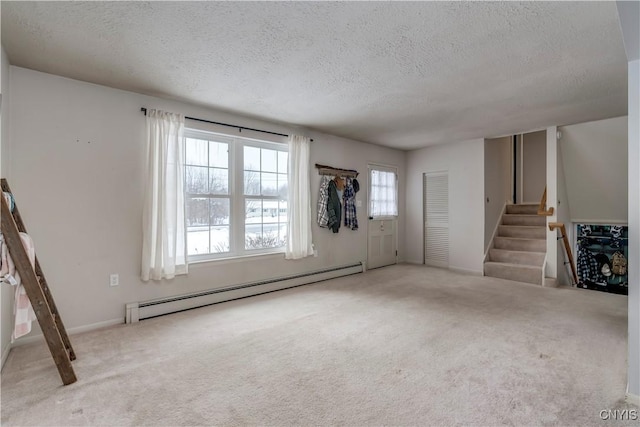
(383, 198)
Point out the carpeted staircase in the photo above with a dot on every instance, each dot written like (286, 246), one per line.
(519, 248)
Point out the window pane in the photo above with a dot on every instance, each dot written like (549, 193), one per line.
(270, 237)
(283, 186)
(283, 235)
(383, 201)
(283, 211)
(218, 154)
(269, 160)
(219, 211)
(251, 183)
(197, 226)
(269, 184)
(198, 241)
(253, 224)
(219, 239)
(196, 179)
(197, 212)
(270, 211)
(283, 161)
(253, 211)
(218, 181)
(196, 152)
(251, 158)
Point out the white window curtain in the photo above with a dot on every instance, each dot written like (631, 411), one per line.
(164, 249)
(384, 193)
(299, 242)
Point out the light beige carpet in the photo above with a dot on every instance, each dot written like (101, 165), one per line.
(402, 345)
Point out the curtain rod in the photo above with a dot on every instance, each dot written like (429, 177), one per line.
(240, 128)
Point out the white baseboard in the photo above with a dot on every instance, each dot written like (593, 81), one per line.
(71, 331)
(633, 399)
(137, 311)
(5, 354)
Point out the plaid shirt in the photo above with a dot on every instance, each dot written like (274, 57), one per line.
(323, 199)
(349, 198)
(587, 265)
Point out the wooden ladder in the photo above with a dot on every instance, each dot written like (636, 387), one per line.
(37, 290)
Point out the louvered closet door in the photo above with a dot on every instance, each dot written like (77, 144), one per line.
(436, 219)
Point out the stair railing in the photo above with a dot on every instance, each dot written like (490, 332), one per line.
(567, 247)
(542, 209)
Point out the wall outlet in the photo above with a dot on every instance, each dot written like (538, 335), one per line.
(114, 280)
(358, 203)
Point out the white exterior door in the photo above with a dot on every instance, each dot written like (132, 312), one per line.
(383, 216)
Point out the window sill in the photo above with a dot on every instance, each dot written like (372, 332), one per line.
(238, 258)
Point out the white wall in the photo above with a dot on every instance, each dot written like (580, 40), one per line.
(551, 267)
(633, 133)
(497, 182)
(465, 163)
(534, 166)
(595, 166)
(562, 212)
(6, 293)
(78, 179)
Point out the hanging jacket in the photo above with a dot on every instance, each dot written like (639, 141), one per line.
(323, 199)
(587, 265)
(334, 209)
(349, 197)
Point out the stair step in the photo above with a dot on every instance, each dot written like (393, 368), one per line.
(535, 259)
(527, 231)
(527, 209)
(520, 244)
(519, 219)
(515, 272)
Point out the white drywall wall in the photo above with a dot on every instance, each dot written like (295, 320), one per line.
(497, 182)
(633, 133)
(534, 166)
(563, 216)
(551, 268)
(6, 293)
(78, 179)
(465, 164)
(595, 166)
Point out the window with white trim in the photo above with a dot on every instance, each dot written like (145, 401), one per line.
(236, 195)
(383, 194)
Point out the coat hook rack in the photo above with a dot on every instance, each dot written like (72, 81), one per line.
(330, 170)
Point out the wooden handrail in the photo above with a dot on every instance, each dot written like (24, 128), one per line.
(542, 209)
(567, 248)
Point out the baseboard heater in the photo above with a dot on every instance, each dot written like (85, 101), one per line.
(137, 311)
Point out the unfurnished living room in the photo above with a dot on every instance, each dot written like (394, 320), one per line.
(320, 213)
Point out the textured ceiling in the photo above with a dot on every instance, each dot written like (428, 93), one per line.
(400, 74)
